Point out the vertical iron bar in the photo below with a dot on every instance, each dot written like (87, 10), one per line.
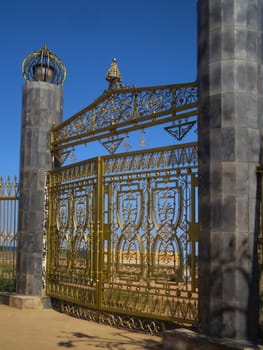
(148, 248)
(193, 242)
(109, 228)
(92, 250)
(51, 220)
(99, 232)
(14, 239)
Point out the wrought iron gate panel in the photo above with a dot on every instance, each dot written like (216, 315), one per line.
(72, 234)
(149, 205)
(123, 235)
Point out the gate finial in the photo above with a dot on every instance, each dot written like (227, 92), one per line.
(113, 75)
(45, 66)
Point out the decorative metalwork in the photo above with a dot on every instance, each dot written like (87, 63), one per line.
(127, 146)
(120, 111)
(122, 237)
(45, 228)
(112, 144)
(142, 141)
(183, 156)
(43, 65)
(8, 233)
(180, 129)
(123, 229)
(113, 75)
(117, 320)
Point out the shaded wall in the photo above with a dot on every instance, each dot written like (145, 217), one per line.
(230, 127)
(41, 108)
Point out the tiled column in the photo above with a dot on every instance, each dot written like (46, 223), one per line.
(42, 107)
(230, 123)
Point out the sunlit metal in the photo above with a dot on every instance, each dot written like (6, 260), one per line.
(123, 229)
(113, 75)
(142, 141)
(112, 143)
(123, 110)
(120, 238)
(43, 65)
(8, 233)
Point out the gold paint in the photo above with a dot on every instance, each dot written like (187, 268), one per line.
(121, 243)
(122, 239)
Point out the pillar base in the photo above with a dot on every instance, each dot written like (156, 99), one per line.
(25, 301)
(184, 339)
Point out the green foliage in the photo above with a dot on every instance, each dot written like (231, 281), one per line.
(7, 285)
(7, 278)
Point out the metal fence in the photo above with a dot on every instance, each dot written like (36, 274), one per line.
(123, 238)
(8, 233)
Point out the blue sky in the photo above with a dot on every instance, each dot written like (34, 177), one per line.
(154, 41)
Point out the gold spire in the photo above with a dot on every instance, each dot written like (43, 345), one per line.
(113, 75)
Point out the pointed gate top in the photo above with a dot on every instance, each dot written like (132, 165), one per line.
(113, 75)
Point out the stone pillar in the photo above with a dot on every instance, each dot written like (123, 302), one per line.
(41, 108)
(230, 123)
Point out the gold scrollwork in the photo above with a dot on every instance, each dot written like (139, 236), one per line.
(121, 238)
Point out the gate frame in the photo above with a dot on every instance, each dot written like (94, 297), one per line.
(107, 117)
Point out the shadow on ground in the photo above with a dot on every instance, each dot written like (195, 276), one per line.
(124, 340)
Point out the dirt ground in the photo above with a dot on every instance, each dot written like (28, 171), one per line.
(50, 330)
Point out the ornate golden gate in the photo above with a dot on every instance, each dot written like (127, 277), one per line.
(123, 229)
